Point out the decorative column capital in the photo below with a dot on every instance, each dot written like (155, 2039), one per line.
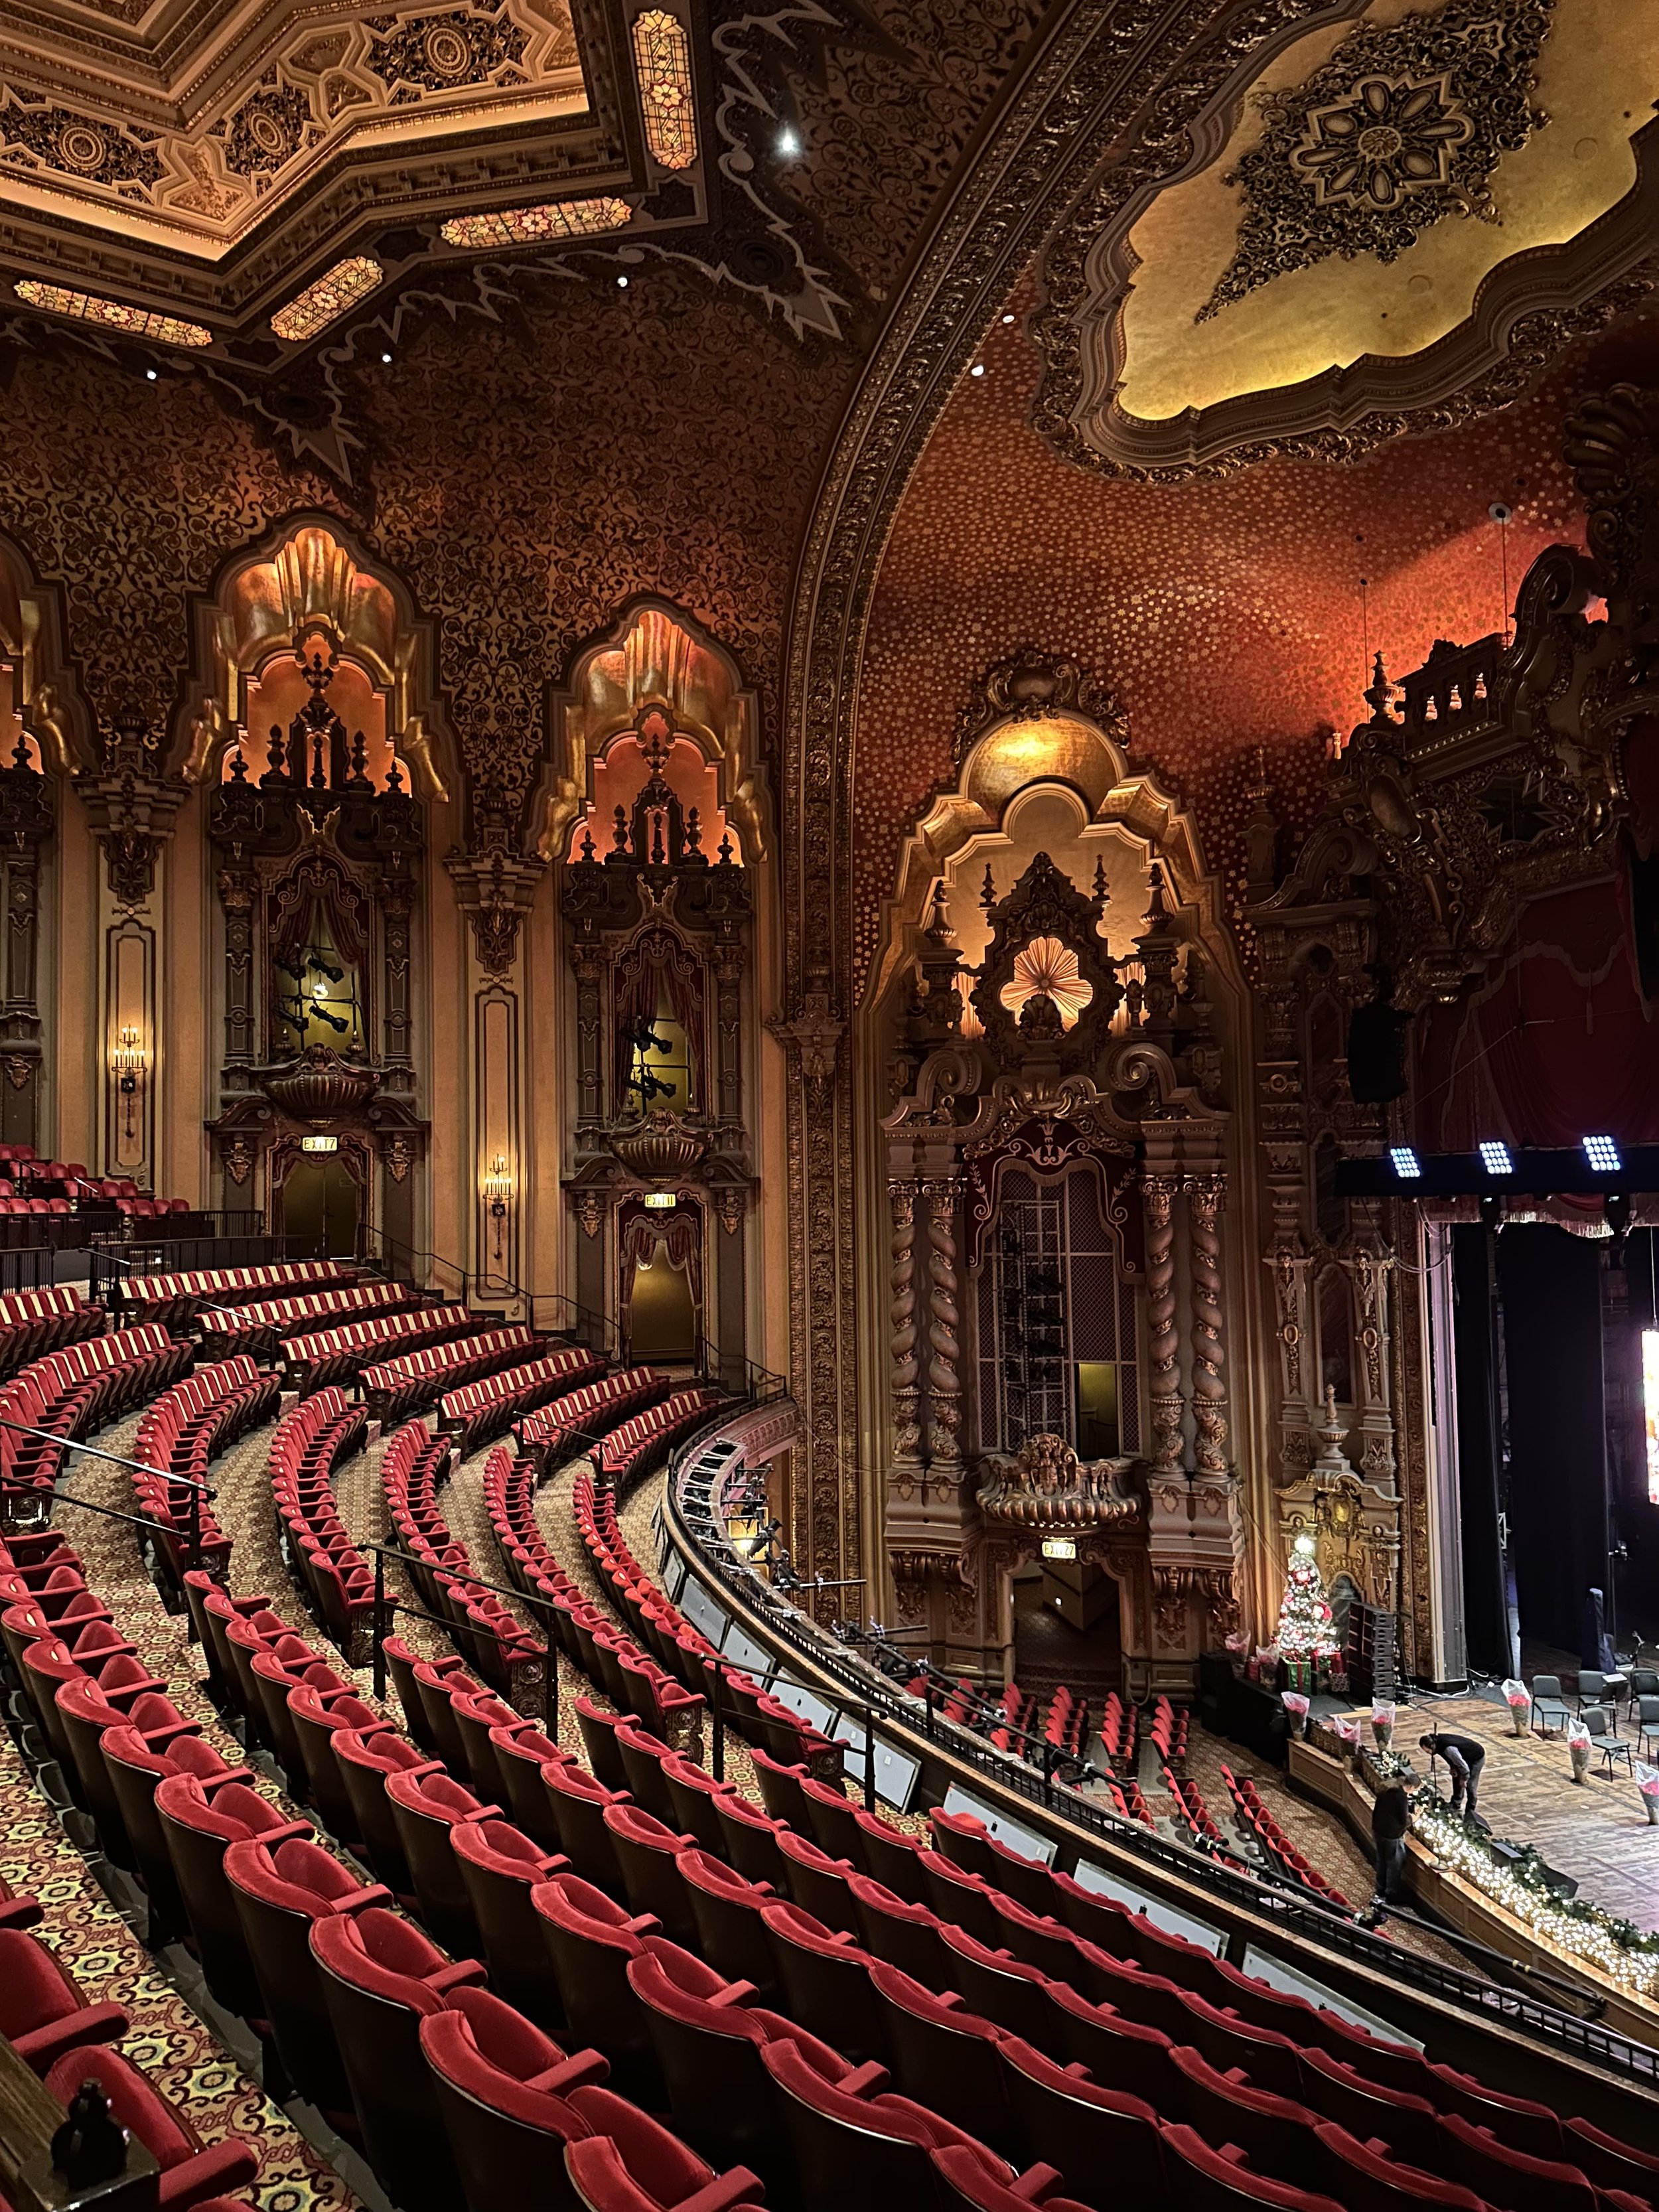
(812, 1034)
(133, 808)
(495, 890)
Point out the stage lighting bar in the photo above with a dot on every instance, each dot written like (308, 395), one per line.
(1597, 1167)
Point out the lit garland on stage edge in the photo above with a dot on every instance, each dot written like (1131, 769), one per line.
(1617, 1948)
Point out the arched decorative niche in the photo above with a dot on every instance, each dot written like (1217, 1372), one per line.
(1058, 1021)
(315, 733)
(656, 812)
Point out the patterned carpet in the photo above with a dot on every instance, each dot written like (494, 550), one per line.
(167, 2040)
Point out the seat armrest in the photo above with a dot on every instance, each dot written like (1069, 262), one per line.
(458, 1974)
(358, 1900)
(44, 2047)
(724, 2192)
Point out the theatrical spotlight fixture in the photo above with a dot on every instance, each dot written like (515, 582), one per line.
(1602, 1154)
(1495, 1157)
(1405, 1163)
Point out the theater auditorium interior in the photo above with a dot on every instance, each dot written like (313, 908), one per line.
(829, 1105)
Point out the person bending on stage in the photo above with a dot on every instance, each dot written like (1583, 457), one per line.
(1465, 1755)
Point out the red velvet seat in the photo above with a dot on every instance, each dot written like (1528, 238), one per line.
(520, 1754)
(380, 1978)
(1036, 1939)
(968, 2182)
(606, 2179)
(832, 1821)
(1410, 2126)
(855, 2143)
(85, 1711)
(17, 1911)
(781, 1791)
(731, 1934)
(198, 1827)
(135, 1766)
(279, 1894)
(642, 1755)
(503, 2089)
(817, 1883)
(964, 1839)
(906, 1936)
(1275, 2134)
(579, 1804)
(694, 1796)
(317, 1717)
(498, 1867)
(425, 1808)
(1201, 2176)
(891, 1857)
(1272, 2061)
(598, 1734)
(749, 1840)
(646, 1853)
(191, 2170)
(1610, 2162)
(1101, 2139)
(43, 2012)
(589, 1939)
(945, 2057)
(1516, 2121)
(997, 1985)
(708, 2040)
(1375, 2183)
(366, 1763)
(476, 1716)
(960, 1899)
(825, 1982)
(1504, 2176)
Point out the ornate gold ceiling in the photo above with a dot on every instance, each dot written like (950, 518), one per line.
(205, 158)
(1394, 216)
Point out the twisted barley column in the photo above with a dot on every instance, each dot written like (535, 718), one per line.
(943, 1380)
(1209, 1389)
(902, 1326)
(1158, 1194)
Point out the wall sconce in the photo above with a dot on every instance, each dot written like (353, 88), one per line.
(498, 1188)
(129, 1061)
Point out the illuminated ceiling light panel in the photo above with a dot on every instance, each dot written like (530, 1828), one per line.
(110, 314)
(529, 226)
(662, 62)
(327, 299)
(1406, 1165)
(1495, 1157)
(1602, 1154)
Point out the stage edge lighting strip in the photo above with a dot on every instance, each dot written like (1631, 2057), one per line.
(110, 314)
(327, 299)
(527, 225)
(1650, 1408)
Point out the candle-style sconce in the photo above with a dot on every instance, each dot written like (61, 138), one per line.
(497, 1190)
(129, 1061)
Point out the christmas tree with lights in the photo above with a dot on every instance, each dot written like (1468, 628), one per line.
(1307, 1646)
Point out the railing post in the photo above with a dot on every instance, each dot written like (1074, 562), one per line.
(380, 1625)
(719, 1717)
(869, 1759)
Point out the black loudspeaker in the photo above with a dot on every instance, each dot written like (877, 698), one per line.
(1377, 1054)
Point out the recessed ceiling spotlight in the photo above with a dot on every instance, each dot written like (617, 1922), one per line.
(1007, 319)
(387, 358)
(978, 369)
(622, 283)
(789, 142)
(150, 375)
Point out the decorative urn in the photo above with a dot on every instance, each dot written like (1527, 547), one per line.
(320, 1086)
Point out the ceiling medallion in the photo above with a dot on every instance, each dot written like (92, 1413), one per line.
(1402, 127)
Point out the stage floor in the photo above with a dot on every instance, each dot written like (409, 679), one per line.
(1597, 1833)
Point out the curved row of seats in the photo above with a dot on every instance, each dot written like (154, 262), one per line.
(313, 1360)
(409, 1383)
(581, 1415)
(476, 1413)
(768, 1725)
(506, 1654)
(339, 1581)
(175, 1299)
(1120, 1736)
(1065, 1725)
(1193, 1815)
(35, 1322)
(180, 1434)
(69, 1392)
(633, 1446)
(260, 1327)
(1256, 1819)
(47, 2021)
(1168, 1733)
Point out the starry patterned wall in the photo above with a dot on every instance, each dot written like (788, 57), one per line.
(1225, 614)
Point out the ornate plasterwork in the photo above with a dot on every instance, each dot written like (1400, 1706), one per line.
(1402, 127)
